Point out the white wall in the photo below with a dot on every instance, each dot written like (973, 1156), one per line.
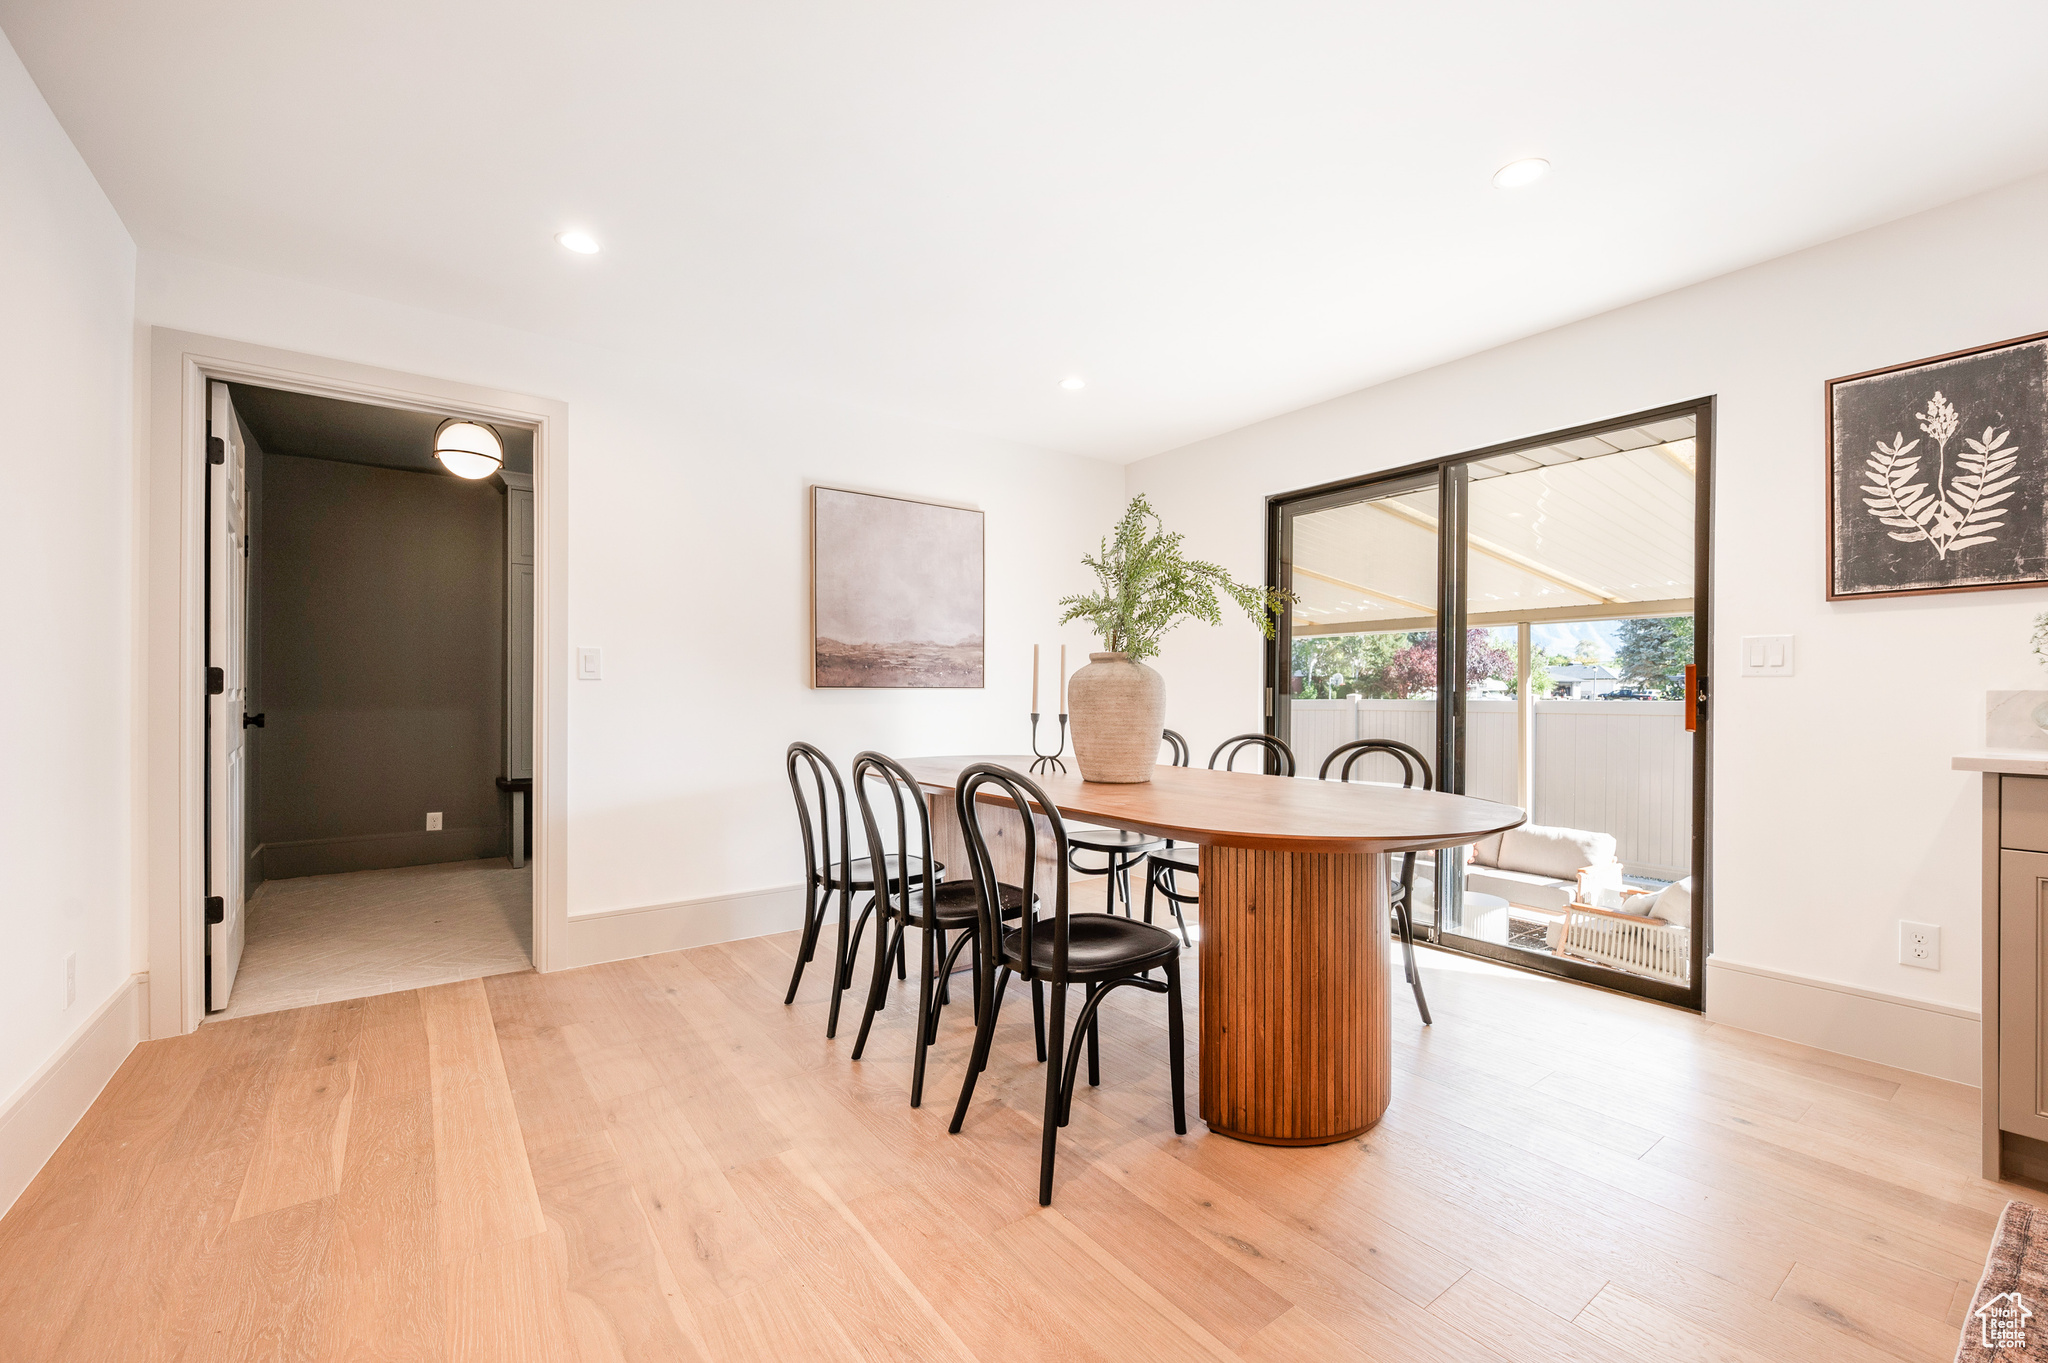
(67, 271)
(688, 564)
(1835, 812)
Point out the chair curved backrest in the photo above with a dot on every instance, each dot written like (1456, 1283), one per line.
(1178, 744)
(820, 813)
(1281, 754)
(903, 896)
(1412, 761)
(1004, 785)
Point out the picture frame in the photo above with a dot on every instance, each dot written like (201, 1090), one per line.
(898, 593)
(1937, 474)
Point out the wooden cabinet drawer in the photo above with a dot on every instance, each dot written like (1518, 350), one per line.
(2023, 813)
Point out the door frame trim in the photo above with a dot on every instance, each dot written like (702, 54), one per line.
(171, 692)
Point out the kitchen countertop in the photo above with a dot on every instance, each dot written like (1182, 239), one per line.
(2007, 761)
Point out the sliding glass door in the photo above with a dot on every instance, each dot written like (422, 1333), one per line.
(1364, 564)
(1573, 567)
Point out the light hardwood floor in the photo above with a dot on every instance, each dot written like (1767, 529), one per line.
(656, 1160)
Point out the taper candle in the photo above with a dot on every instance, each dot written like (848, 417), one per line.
(1034, 679)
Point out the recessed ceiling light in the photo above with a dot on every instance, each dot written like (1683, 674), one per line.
(1515, 174)
(1073, 383)
(582, 243)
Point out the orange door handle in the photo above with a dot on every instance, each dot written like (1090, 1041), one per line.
(1692, 697)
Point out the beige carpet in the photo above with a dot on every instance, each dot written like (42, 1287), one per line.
(316, 939)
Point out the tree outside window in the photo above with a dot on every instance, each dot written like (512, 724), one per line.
(1652, 653)
(1397, 666)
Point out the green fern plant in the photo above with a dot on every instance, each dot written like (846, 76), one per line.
(1147, 586)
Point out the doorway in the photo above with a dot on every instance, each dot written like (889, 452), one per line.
(369, 723)
(1573, 566)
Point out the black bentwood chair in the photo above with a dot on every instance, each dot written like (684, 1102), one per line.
(830, 870)
(1120, 848)
(1099, 951)
(926, 903)
(1177, 745)
(1412, 763)
(1282, 756)
(1161, 868)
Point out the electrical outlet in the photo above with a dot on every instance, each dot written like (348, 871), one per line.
(71, 979)
(1920, 945)
(434, 822)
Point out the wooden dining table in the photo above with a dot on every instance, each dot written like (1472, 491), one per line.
(1296, 1009)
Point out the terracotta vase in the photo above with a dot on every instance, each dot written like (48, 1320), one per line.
(1118, 711)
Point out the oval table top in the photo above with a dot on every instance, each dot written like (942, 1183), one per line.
(1250, 809)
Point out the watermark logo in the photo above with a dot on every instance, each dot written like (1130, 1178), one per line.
(2003, 1321)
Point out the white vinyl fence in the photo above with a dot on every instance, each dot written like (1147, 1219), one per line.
(1613, 766)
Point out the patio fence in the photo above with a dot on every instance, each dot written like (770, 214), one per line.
(1614, 766)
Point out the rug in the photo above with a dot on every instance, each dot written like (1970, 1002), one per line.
(2000, 1327)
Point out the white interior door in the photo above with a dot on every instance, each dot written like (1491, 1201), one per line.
(227, 609)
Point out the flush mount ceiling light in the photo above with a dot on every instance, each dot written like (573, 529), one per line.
(1516, 174)
(1073, 383)
(582, 243)
(469, 449)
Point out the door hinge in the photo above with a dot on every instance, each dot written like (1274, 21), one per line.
(216, 450)
(1269, 702)
(216, 909)
(216, 681)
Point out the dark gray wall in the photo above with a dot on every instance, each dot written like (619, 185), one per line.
(382, 672)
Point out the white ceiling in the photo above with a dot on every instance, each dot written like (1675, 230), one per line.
(1215, 212)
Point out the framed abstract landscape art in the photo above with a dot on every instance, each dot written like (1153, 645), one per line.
(896, 592)
(1938, 474)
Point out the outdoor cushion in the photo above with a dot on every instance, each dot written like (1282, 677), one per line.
(1486, 852)
(1553, 851)
(1520, 887)
(1673, 903)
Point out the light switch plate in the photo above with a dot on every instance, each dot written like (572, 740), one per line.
(1766, 655)
(589, 664)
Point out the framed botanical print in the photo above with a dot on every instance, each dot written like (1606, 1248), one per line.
(896, 592)
(1938, 474)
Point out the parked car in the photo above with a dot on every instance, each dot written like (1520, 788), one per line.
(1629, 693)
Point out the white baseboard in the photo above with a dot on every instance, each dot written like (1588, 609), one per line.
(40, 1114)
(620, 934)
(1907, 1034)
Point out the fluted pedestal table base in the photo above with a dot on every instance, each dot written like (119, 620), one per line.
(1296, 1048)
